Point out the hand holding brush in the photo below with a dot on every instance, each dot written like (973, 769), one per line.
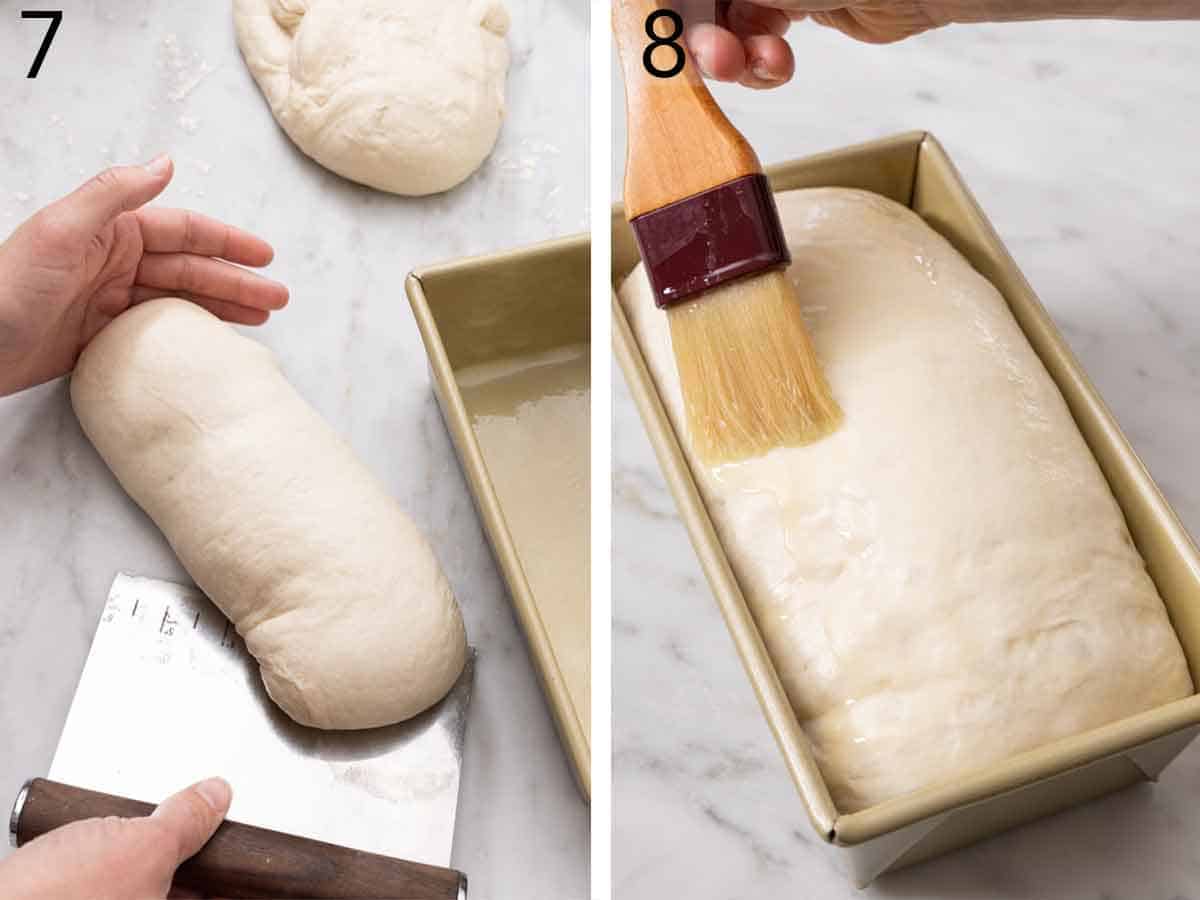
(713, 248)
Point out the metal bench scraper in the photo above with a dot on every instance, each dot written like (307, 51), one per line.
(169, 695)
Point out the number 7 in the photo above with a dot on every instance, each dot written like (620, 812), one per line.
(55, 17)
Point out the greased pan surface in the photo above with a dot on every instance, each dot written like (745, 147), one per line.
(508, 343)
(914, 170)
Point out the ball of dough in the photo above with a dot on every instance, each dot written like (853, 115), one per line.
(947, 580)
(337, 595)
(405, 97)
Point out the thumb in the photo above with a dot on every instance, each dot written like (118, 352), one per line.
(192, 815)
(114, 191)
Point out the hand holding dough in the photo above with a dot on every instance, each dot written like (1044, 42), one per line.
(337, 595)
(405, 97)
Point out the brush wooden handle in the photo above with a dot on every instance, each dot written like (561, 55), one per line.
(679, 142)
(244, 861)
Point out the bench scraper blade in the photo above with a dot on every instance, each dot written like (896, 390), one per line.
(169, 696)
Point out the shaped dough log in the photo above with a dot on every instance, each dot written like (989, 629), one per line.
(337, 595)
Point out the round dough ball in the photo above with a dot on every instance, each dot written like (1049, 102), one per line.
(405, 97)
(336, 592)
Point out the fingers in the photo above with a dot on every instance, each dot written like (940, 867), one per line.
(192, 815)
(865, 26)
(746, 18)
(808, 6)
(184, 231)
(112, 192)
(204, 276)
(114, 857)
(222, 309)
(769, 61)
(716, 51)
(183, 257)
(759, 60)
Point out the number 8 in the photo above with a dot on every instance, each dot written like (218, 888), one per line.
(668, 41)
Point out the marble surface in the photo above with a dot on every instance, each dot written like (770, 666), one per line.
(1079, 140)
(126, 81)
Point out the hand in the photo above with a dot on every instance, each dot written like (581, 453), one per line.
(79, 263)
(746, 43)
(117, 859)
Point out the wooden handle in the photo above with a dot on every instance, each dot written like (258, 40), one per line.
(243, 861)
(679, 143)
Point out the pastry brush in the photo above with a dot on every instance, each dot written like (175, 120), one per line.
(714, 250)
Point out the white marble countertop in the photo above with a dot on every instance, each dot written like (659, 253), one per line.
(1079, 140)
(121, 86)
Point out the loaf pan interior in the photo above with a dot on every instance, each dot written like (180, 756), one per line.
(914, 170)
(508, 338)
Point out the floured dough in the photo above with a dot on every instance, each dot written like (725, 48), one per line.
(405, 97)
(947, 580)
(337, 595)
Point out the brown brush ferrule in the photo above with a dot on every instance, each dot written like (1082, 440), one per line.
(697, 243)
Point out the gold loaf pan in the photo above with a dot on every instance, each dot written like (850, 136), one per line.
(913, 169)
(485, 311)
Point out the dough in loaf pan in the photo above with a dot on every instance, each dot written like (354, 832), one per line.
(947, 580)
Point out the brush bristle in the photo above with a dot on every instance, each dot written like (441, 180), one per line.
(751, 379)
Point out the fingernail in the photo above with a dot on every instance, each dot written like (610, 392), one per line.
(159, 166)
(698, 59)
(762, 73)
(216, 793)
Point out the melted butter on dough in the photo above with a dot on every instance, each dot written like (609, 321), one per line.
(947, 580)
